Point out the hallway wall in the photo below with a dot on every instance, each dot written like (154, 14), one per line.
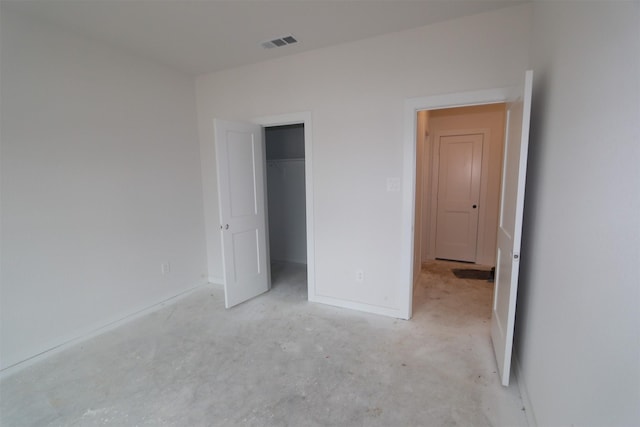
(421, 202)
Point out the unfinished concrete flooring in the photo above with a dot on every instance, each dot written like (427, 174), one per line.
(279, 360)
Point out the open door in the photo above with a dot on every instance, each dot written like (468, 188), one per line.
(240, 166)
(514, 171)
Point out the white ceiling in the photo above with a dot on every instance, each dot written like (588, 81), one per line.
(202, 36)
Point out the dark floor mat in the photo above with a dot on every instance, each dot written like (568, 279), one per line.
(470, 273)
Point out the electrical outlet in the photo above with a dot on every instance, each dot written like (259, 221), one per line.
(359, 276)
(165, 268)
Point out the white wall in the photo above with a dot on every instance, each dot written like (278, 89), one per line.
(578, 322)
(100, 185)
(356, 95)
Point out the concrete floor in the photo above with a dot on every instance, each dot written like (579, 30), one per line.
(279, 360)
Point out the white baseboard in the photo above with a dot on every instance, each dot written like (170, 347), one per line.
(216, 280)
(367, 308)
(524, 394)
(9, 370)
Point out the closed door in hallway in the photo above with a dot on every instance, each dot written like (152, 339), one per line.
(459, 173)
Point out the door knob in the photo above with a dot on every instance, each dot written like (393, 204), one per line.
(475, 206)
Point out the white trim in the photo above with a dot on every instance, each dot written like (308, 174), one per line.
(215, 280)
(305, 119)
(411, 107)
(461, 99)
(108, 326)
(358, 306)
(524, 394)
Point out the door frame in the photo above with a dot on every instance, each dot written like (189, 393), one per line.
(303, 118)
(411, 108)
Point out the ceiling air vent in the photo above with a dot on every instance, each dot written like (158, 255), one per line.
(279, 42)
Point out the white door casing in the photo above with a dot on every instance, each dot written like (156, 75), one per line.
(510, 225)
(305, 119)
(461, 99)
(411, 107)
(240, 168)
(459, 174)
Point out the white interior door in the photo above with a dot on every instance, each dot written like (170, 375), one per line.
(459, 172)
(514, 171)
(240, 165)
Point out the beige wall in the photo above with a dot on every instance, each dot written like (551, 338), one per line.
(421, 161)
(489, 117)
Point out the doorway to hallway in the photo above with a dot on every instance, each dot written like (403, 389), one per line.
(458, 168)
(517, 101)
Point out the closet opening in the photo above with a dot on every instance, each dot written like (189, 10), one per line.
(286, 206)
